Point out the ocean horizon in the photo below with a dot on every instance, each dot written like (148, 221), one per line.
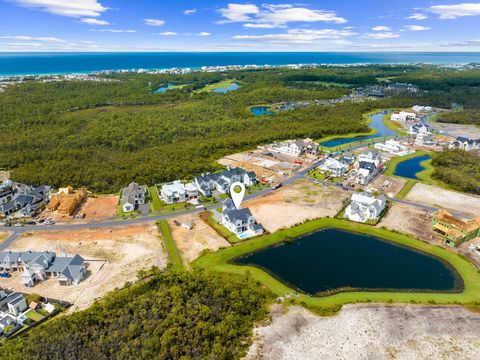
(17, 64)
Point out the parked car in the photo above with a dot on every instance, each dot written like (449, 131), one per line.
(277, 186)
(49, 222)
(30, 223)
(18, 224)
(7, 224)
(5, 275)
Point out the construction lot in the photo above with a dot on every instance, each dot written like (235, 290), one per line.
(410, 220)
(192, 242)
(269, 167)
(469, 131)
(389, 185)
(113, 256)
(296, 203)
(371, 331)
(450, 200)
(100, 207)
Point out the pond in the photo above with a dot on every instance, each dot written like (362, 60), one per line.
(332, 259)
(409, 168)
(261, 110)
(376, 123)
(164, 88)
(233, 86)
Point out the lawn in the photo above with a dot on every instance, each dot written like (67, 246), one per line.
(174, 255)
(157, 205)
(219, 85)
(33, 315)
(393, 125)
(221, 230)
(220, 261)
(155, 202)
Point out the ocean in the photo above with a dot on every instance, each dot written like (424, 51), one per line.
(67, 63)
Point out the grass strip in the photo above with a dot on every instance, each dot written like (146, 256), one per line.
(174, 255)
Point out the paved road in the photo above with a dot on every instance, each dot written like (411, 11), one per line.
(16, 232)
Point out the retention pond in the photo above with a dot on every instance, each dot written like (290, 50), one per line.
(332, 260)
(411, 167)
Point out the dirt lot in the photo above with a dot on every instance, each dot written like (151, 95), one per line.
(100, 207)
(192, 242)
(470, 131)
(114, 256)
(451, 200)
(410, 220)
(295, 203)
(395, 185)
(3, 236)
(4, 175)
(370, 332)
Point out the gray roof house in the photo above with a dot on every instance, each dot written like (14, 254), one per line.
(133, 195)
(465, 144)
(68, 270)
(240, 221)
(221, 181)
(6, 321)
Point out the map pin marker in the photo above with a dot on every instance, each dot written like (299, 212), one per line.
(237, 192)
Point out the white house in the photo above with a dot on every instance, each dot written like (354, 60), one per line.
(422, 109)
(403, 116)
(364, 206)
(178, 191)
(367, 166)
(465, 144)
(394, 147)
(133, 195)
(419, 129)
(333, 166)
(423, 139)
(222, 181)
(241, 222)
(296, 147)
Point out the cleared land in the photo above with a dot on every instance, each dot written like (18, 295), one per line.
(202, 237)
(390, 185)
(451, 200)
(370, 332)
(100, 207)
(3, 236)
(470, 131)
(114, 256)
(4, 175)
(410, 220)
(295, 203)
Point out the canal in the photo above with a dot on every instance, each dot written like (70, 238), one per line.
(331, 259)
(376, 123)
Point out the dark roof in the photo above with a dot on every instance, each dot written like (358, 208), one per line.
(235, 215)
(367, 165)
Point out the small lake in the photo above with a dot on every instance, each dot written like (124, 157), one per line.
(164, 88)
(409, 168)
(376, 123)
(261, 111)
(233, 86)
(332, 259)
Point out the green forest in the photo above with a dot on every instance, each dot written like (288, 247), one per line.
(459, 169)
(103, 135)
(175, 315)
(468, 116)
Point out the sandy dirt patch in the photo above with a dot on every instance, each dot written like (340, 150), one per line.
(4, 175)
(192, 242)
(470, 131)
(451, 200)
(114, 256)
(410, 220)
(389, 185)
(296, 203)
(3, 236)
(371, 332)
(100, 207)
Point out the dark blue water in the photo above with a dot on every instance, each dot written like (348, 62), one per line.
(376, 123)
(163, 89)
(409, 168)
(261, 110)
(60, 63)
(333, 259)
(232, 87)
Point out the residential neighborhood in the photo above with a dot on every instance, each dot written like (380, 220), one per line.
(365, 206)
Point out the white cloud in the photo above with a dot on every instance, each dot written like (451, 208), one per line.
(114, 30)
(190, 11)
(33, 38)
(300, 36)
(91, 21)
(239, 12)
(380, 28)
(276, 15)
(416, 28)
(154, 22)
(417, 16)
(72, 8)
(167, 33)
(203, 33)
(260, 26)
(381, 35)
(456, 11)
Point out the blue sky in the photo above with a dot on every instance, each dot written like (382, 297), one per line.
(188, 25)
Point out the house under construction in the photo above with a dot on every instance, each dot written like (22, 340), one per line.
(67, 200)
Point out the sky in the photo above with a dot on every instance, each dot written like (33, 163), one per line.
(189, 25)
